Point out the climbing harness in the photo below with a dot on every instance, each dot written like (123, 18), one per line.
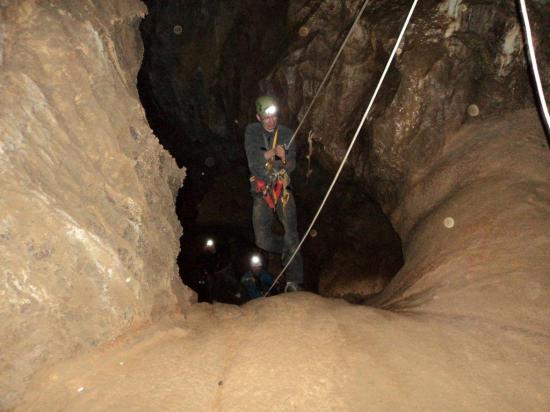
(262, 188)
(329, 71)
(344, 160)
(277, 189)
(280, 179)
(534, 67)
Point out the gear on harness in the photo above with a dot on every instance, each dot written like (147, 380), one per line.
(280, 190)
(277, 189)
(263, 188)
(269, 163)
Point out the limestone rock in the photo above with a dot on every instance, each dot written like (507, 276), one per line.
(454, 54)
(460, 62)
(475, 224)
(300, 352)
(88, 233)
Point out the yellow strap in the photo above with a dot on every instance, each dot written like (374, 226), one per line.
(275, 138)
(269, 163)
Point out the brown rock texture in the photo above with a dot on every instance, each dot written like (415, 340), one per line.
(460, 61)
(455, 54)
(465, 323)
(88, 233)
(475, 222)
(465, 327)
(301, 352)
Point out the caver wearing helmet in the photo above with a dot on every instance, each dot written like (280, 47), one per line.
(266, 106)
(218, 279)
(271, 160)
(267, 115)
(257, 280)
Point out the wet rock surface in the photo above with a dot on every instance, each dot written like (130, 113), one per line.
(88, 233)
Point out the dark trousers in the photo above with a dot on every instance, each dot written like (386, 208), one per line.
(262, 219)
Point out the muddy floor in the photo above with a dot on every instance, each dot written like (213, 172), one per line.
(301, 352)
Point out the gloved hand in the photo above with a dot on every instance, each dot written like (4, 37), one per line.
(268, 154)
(281, 153)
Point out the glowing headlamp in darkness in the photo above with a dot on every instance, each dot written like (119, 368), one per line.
(255, 260)
(271, 110)
(209, 242)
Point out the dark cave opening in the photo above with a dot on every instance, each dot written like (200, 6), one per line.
(203, 67)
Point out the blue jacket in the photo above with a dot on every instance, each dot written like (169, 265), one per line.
(256, 287)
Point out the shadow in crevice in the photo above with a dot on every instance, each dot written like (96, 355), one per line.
(199, 116)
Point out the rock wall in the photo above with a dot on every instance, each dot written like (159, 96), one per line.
(454, 151)
(461, 62)
(476, 220)
(88, 233)
(88, 236)
(203, 63)
(458, 59)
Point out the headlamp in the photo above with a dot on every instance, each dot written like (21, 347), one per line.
(209, 243)
(271, 110)
(255, 260)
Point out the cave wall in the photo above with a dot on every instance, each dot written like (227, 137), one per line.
(469, 308)
(461, 63)
(477, 219)
(202, 66)
(88, 232)
(455, 54)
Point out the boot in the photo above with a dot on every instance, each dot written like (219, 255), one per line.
(293, 287)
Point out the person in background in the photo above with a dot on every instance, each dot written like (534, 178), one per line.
(218, 275)
(257, 280)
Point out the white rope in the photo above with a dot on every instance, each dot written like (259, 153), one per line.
(363, 119)
(534, 66)
(329, 71)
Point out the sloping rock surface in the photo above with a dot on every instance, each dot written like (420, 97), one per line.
(301, 352)
(88, 233)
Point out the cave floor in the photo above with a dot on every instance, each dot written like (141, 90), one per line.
(301, 352)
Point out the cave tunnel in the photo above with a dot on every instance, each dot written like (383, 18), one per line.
(427, 280)
(204, 66)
